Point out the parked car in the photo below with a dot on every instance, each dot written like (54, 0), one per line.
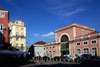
(66, 58)
(83, 58)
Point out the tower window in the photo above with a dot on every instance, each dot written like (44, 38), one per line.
(1, 14)
(83, 32)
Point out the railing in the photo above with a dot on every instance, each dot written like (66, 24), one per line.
(20, 48)
(23, 36)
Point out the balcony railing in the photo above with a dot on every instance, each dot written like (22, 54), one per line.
(23, 36)
(20, 48)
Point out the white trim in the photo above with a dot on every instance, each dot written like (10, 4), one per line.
(94, 40)
(80, 50)
(99, 47)
(74, 32)
(96, 48)
(39, 45)
(85, 44)
(83, 33)
(3, 11)
(59, 50)
(62, 35)
(3, 15)
(55, 36)
(78, 42)
(88, 48)
(88, 35)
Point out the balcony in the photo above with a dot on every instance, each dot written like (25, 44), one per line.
(22, 36)
(20, 48)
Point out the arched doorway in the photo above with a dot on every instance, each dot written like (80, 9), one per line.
(64, 45)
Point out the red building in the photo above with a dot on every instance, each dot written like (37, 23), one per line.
(3, 27)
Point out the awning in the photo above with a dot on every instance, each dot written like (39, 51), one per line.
(20, 52)
(6, 52)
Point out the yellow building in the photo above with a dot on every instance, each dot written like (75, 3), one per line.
(17, 35)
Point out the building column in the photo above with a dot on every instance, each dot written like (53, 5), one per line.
(99, 47)
(74, 35)
(59, 49)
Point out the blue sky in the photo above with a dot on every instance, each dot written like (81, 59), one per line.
(43, 17)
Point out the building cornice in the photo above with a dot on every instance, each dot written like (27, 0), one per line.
(72, 27)
(4, 11)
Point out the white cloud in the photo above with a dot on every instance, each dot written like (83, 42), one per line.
(11, 2)
(77, 10)
(36, 35)
(66, 7)
(49, 35)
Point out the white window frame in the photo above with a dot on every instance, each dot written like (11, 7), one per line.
(77, 50)
(85, 41)
(83, 32)
(2, 16)
(85, 48)
(17, 33)
(22, 33)
(96, 48)
(54, 53)
(94, 40)
(77, 43)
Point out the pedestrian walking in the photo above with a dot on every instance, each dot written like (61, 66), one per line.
(39, 58)
(45, 58)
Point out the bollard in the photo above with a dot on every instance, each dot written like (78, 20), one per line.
(64, 60)
(60, 59)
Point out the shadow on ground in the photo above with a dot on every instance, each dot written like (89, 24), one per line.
(69, 65)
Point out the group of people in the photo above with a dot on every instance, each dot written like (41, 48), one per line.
(39, 58)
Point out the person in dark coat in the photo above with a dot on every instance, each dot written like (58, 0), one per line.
(45, 58)
(39, 58)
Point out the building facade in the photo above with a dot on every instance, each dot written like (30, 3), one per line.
(17, 35)
(3, 27)
(77, 39)
(51, 49)
(39, 48)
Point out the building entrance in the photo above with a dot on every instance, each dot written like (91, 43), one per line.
(64, 45)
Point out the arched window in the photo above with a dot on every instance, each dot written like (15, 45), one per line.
(64, 45)
(65, 38)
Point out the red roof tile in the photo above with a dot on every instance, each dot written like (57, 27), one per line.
(40, 42)
(2, 9)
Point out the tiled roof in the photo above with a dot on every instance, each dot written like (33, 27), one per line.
(2, 9)
(40, 43)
